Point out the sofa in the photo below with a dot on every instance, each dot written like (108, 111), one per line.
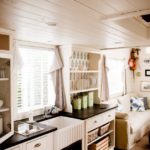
(131, 126)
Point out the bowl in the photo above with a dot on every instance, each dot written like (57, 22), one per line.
(1, 103)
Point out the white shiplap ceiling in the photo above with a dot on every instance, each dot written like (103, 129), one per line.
(97, 23)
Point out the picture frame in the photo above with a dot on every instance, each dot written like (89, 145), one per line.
(145, 86)
(147, 72)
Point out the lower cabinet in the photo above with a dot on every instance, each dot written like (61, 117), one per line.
(41, 143)
(100, 131)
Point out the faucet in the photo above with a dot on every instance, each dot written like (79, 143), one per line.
(46, 112)
(52, 110)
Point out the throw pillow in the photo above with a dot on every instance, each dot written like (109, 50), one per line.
(137, 104)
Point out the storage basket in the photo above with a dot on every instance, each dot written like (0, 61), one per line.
(100, 145)
(92, 135)
(103, 129)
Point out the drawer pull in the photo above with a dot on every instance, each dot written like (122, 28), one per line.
(109, 115)
(37, 145)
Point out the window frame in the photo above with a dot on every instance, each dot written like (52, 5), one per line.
(124, 71)
(39, 110)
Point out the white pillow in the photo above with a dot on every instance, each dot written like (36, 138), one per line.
(125, 102)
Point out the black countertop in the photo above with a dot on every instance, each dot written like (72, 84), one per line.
(90, 112)
(18, 139)
(78, 114)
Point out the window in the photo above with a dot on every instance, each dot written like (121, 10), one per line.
(116, 76)
(35, 87)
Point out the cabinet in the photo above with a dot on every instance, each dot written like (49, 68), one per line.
(98, 128)
(6, 96)
(41, 143)
(6, 82)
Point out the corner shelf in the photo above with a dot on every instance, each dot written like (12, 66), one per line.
(4, 79)
(84, 90)
(100, 137)
(3, 109)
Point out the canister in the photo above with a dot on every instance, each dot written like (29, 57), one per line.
(77, 103)
(84, 101)
(90, 99)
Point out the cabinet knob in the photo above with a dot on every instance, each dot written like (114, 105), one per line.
(109, 115)
(37, 145)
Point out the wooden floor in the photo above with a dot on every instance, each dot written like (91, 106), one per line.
(142, 145)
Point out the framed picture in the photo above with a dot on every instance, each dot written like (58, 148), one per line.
(145, 86)
(147, 72)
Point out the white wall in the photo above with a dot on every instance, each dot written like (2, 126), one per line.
(123, 53)
(141, 69)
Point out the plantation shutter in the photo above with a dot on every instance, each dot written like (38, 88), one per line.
(34, 84)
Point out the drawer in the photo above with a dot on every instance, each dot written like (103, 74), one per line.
(108, 116)
(38, 144)
(99, 120)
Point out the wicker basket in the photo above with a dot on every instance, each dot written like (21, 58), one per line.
(100, 145)
(103, 129)
(92, 135)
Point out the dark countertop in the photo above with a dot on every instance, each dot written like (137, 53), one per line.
(78, 114)
(90, 112)
(18, 139)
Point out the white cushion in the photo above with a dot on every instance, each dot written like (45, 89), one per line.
(138, 120)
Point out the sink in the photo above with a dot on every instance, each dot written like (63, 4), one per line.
(61, 122)
(26, 129)
(69, 130)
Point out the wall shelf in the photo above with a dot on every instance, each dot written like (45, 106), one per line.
(3, 109)
(4, 79)
(84, 90)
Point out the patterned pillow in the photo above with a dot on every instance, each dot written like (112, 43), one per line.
(137, 104)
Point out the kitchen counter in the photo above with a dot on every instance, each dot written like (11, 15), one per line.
(78, 114)
(89, 112)
(18, 138)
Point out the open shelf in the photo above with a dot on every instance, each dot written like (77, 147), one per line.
(3, 109)
(84, 90)
(100, 137)
(4, 79)
(84, 71)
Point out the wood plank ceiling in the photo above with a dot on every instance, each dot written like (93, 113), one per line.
(97, 23)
